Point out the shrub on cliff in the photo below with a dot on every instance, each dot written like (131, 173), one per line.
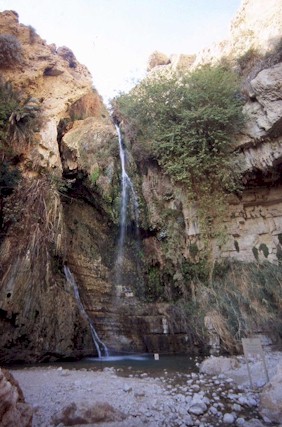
(190, 119)
(19, 119)
(9, 101)
(10, 51)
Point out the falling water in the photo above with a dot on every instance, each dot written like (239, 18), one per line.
(100, 346)
(127, 191)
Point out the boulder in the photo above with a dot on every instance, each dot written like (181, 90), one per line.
(87, 413)
(197, 405)
(270, 406)
(157, 59)
(14, 412)
(218, 365)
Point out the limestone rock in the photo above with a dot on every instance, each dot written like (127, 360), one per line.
(50, 75)
(218, 365)
(14, 412)
(265, 110)
(254, 27)
(271, 398)
(228, 418)
(197, 406)
(98, 412)
(157, 59)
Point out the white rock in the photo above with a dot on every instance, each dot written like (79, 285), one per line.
(197, 405)
(213, 410)
(240, 422)
(228, 418)
(236, 407)
(218, 365)
(271, 398)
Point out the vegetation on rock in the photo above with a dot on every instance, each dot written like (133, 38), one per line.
(10, 51)
(189, 119)
(19, 119)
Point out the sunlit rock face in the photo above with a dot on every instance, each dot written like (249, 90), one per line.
(66, 213)
(264, 107)
(52, 75)
(39, 316)
(255, 26)
(253, 220)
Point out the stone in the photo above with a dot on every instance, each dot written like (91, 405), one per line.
(127, 388)
(87, 413)
(254, 423)
(197, 405)
(228, 418)
(14, 411)
(218, 365)
(251, 28)
(157, 59)
(236, 407)
(48, 77)
(270, 406)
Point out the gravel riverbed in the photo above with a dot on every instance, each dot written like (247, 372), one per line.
(110, 397)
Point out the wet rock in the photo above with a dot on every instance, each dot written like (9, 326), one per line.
(87, 413)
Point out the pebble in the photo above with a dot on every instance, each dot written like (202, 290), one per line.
(184, 400)
(228, 418)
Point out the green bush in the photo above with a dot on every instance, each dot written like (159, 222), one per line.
(95, 175)
(19, 119)
(25, 120)
(189, 120)
(10, 51)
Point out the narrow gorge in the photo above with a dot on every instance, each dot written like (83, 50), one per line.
(97, 234)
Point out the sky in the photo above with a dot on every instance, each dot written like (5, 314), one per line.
(114, 38)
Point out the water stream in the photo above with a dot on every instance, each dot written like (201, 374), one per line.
(101, 348)
(128, 199)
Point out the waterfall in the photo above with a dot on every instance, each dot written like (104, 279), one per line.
(100, 346)
(127, 194)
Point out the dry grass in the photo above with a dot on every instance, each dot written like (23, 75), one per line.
(240, 300)
(243, 300)
(34, 217)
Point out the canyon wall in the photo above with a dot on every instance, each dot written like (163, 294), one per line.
(65, 209)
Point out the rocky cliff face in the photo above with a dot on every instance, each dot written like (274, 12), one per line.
(65, 212)
(39, 316)
(255, 27)
(252, 224)
(254, 50)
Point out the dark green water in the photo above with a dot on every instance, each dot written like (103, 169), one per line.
(136, 364)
